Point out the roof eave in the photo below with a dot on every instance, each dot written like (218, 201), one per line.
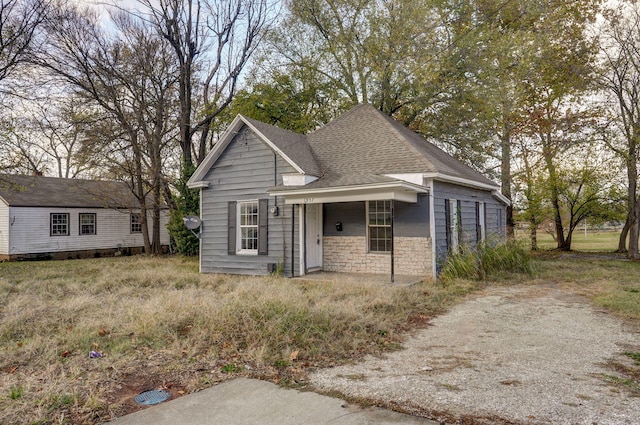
(493, 188)
(461, 180)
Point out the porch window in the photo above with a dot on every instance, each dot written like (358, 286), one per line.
(87, 224)
(136, 223)
(59, 224)
(379, 226)
(248, 228)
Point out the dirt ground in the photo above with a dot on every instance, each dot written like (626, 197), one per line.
(510, 355)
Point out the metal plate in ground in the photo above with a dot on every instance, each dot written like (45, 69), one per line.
(152, 397)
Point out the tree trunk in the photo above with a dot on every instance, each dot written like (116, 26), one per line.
(634, 232)
(633, 201)
(185, 114)
(505, 170)
(622, 242)
(566, 246)
(533, 235)
(555, 202)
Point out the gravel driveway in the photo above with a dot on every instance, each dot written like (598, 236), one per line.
(510, 355)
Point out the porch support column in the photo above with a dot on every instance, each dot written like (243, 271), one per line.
(392, 259)
(293, 242)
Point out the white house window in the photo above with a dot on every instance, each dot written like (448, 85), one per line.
(136, 223)
(379, 226)
(59, 223)
(87, 224)
(248, 228)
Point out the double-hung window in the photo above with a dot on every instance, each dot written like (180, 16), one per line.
(248, 227)
(87, 224)
(379, 226)
(136, 223)
(59, 224)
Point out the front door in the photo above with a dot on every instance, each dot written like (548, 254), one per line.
(313, 237)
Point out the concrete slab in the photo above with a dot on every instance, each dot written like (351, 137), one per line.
(249, 401)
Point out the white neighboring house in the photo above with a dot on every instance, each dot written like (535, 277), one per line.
(55, 218)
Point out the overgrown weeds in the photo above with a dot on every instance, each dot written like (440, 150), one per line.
(154, 322)
(480, 262)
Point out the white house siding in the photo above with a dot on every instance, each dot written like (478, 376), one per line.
(4, 229)
(30, 231)
(245, 171)
(495, 215)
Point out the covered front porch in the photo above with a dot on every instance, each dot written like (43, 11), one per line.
(376, 231)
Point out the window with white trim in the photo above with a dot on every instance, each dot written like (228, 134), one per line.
(87, 223)
(379, 226)
(248, 227)
(136, 223)
(59, 224)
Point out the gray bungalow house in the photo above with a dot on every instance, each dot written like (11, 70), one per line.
(363, 194)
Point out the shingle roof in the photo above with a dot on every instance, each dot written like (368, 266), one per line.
(294, 145)
(360, 147)
(37, 191)
(366, 142)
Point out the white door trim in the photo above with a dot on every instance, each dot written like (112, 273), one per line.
(313, 237)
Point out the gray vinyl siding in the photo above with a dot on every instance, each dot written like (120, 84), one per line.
(468, 198)
(352, 215)
(244, 171)
(410, 220)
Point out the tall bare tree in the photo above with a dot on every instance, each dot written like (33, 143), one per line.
(20, 24)
(131, 77)
(212, 41)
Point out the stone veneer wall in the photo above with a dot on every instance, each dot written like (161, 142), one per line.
(348, 254)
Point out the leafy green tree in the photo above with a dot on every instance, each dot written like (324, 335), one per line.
(286, 101)
(187, 202)
(497, 52)
(372, 51)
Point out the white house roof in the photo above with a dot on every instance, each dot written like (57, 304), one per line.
(38, 191)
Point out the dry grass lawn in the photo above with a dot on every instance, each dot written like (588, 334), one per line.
(157, 322)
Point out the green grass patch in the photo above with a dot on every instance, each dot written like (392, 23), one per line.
(628, 383)
(610, 283)
(634, 356)
(592, 241)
